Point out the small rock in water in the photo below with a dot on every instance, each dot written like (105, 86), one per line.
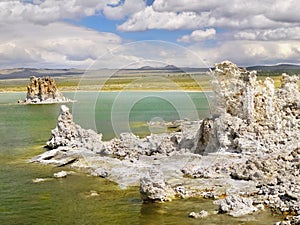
(236, 206)
(201, 214)
(64, 108)
(61, 174)
(93, 193)
(154, 188)
(39, 180)
(99, 172)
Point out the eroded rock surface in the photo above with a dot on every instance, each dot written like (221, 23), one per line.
(154, 188)
(67, 133)
(250, 116)
(43, 90)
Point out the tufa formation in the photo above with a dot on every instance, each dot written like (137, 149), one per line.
(248, 150)
(43, 90)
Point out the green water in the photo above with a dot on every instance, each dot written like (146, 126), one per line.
(25, 129)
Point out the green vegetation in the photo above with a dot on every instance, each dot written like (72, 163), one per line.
(152, 81)
(131, 82)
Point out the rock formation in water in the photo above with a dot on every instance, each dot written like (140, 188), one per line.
(154, 188)
(250, 145)
(253, 118)
(128, 146)
(236, 206)
(67, 133)
(43, 90)
(250, 115)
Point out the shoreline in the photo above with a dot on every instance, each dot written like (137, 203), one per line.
(73, 91)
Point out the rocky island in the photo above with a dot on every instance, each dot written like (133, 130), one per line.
(245, 157)
(43, 90)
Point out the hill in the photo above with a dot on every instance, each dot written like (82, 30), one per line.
(17, 73)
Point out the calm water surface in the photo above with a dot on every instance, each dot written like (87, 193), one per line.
(25, 129)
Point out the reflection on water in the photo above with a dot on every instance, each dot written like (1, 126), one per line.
(24, 130)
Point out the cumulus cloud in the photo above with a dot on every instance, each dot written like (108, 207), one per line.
(118, 9)
(199, 35)
(184, 5)
(245, 53)
(238, 14)
(249, 32)
(257, 31)
(150, 19)
(33, 33)
(290, 33)
(284, 11)
(44, 12)
(54, 45)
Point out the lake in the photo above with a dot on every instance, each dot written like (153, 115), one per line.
(25, 129)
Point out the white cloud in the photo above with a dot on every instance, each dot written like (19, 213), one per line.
(238, 14)
(184, 5)
(284, 11)
(199, 35)
(122, 10)
(44, 12)
(290, 33)
(53, 45)
(150, 19)
(245, 53)
(249, 32)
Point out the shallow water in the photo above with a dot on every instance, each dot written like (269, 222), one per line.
(25, 129)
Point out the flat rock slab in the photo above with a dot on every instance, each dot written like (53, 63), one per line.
(128, 173)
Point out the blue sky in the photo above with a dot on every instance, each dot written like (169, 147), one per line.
(102, 24)
(113, 33)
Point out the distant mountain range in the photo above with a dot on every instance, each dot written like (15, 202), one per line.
(280, 68)
(173, 68)
(27, 72)
(168, 67)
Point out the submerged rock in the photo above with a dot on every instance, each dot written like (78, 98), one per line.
(43, 90)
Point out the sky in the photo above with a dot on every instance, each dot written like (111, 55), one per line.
(133, 33)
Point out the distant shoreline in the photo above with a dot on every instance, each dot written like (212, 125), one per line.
(73, 91)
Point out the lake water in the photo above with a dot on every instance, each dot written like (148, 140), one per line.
(25, 129)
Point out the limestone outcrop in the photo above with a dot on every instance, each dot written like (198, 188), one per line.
(43, 90)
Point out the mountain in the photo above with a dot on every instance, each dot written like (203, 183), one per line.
(27, 72)
(173, 68)
(278, 69)
(17, 73)
(168, 67)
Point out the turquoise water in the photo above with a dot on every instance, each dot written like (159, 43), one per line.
(25, 129)
(112, 113)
